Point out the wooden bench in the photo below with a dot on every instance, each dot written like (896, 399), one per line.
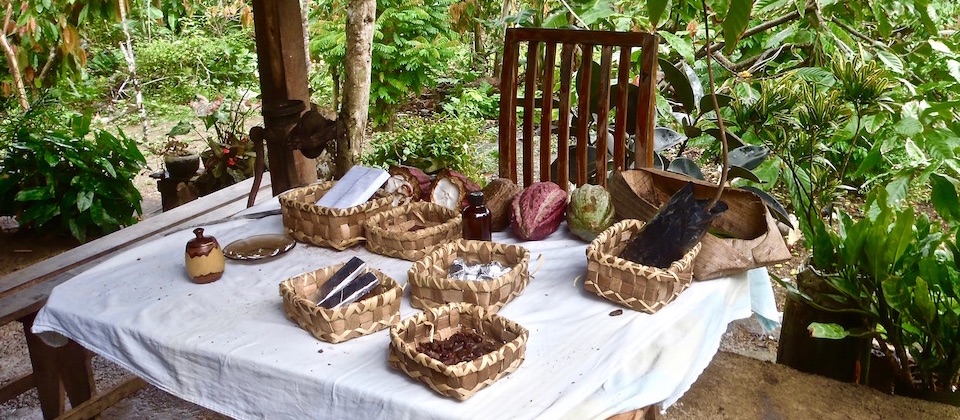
(66, 371)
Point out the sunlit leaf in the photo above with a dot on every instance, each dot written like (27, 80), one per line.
(891, 61)
(828, 331)
(682, 46)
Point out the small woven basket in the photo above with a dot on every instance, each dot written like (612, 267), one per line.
(340, 229)
(633, 285)
(464, 379)
(411, 230)
(380, 309)
(431, 285)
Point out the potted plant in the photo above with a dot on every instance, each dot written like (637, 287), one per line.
(230, 156)
(179, 161)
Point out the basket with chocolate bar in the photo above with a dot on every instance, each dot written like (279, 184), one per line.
(487, 274)
(343, 301)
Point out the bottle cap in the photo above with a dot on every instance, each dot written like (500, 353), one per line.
(475, 198)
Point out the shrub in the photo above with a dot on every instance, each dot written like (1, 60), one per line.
(460, 144)
(57, 173)
(176, 69)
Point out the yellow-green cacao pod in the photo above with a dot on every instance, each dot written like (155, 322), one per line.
(590, 211)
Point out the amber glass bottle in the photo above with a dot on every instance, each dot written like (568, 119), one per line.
(477, 221)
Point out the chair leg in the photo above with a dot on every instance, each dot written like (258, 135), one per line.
(45, 374)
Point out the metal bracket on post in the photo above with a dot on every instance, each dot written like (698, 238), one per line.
(311, 133)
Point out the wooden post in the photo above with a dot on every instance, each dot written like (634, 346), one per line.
(283, 77)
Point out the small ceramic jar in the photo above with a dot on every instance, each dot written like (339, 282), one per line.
(204, 258)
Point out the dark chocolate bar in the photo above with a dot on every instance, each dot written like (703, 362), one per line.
(346, 274)
(352, 292)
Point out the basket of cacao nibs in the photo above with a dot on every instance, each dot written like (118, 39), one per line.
(487, 274)
(343, 301)
(457, 349)
(636, 286)
(338, 228)
(411, 230)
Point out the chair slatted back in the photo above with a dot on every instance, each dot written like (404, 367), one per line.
(573, 51)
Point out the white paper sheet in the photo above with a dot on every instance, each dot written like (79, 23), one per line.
(228, 346)
(355, 188)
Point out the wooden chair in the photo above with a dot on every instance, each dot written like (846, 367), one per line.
(598, 97)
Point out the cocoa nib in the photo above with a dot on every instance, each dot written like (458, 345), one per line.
(462, 346)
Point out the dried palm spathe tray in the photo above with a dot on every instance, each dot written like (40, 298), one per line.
(464, 379)
(431, 285)
(633, 285)
(377, 310)
(340, 229)
(411, 230)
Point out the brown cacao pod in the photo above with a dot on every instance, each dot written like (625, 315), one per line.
(498, 195)
(538, 210)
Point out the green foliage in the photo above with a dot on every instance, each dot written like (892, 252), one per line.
(57, 173)
(894, 267)
(817, 123)
(412, 43)
(474, 102)
(177, 68)
(460, 144)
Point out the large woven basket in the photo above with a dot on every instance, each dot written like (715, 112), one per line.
(380, 309)
(633, 285)
(464, 379)
(307, 222)
(431, 285)
(389, 232)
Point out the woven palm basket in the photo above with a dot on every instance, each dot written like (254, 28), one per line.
(411, 230)
(633, 285)
(340, 229)
(431, 285)
(378, 310)
(464, 379)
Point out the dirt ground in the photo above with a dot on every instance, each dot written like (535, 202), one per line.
(742, 382)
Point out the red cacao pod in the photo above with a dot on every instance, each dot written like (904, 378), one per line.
(538, 210)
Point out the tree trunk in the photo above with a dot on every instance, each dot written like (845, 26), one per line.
(127, 50)
(12, 61)
(361, 16)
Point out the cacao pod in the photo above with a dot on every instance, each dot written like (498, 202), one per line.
(538, 210)
(590, 211)
(409, 181)
(498, 195)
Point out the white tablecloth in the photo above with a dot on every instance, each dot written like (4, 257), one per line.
(228, 346)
